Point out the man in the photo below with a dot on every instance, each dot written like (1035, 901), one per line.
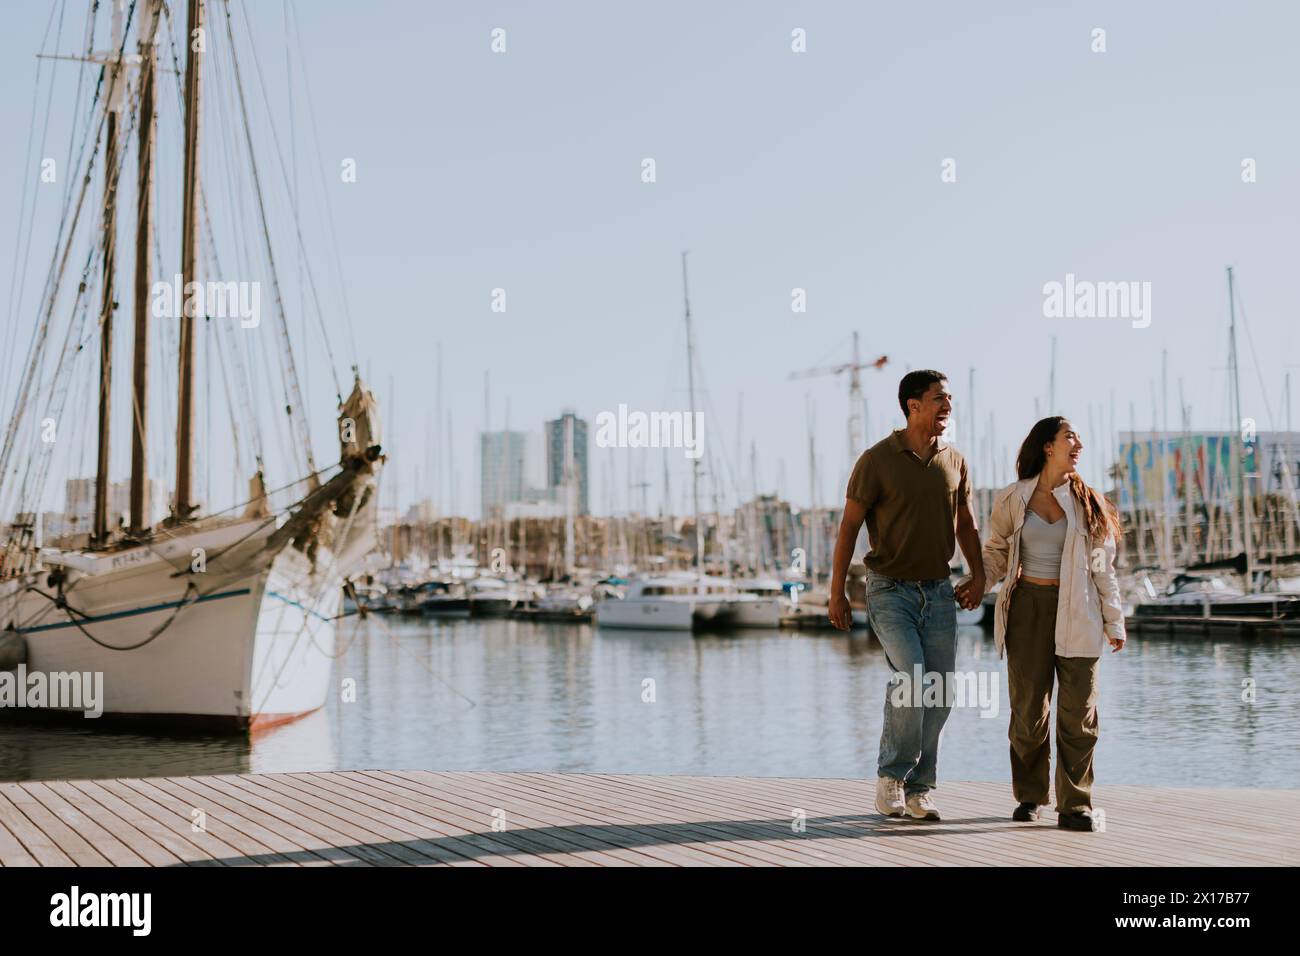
(914, 494)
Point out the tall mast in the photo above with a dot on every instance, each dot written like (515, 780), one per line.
(1133, 484)
(185, 505)
(1051, 382)
(972, 446)
(143, 243)
(1188, 452)
(812, 539)
(690, 382)
(569, 557)
(1238, 441)
(855, 404)
(113, 104)
(1166, 520)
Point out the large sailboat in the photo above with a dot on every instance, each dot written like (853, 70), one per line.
(227, 619)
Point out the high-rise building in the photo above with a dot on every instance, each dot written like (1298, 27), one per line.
(507, 469)
(568, 427)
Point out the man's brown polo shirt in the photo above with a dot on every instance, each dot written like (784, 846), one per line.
(911, 507)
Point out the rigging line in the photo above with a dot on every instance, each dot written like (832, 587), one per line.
(162, 535)
(274, 491)
(292, 193)
(237, 352)
(401, 647)
(1268, 407)
(325, 192)
(40, 334)
(96, 254)
(59, 391)
(287, 360)
(306, 619)
(57, 374)
(230, 405)
(72, 179)
(85, 138)
(295, 194)
(1259, 372)
(18, 281)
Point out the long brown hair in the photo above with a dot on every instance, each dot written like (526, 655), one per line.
(1099, 514)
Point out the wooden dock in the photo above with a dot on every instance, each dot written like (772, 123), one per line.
(421, 818)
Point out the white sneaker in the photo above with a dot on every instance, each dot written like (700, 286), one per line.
(920, 806)
(889, 797)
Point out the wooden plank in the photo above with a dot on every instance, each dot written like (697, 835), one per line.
(897, 836)
(637, 841)
(240, 836)
(427, 818)
(970, 833)
(503, 845)
(12, 851)
(170, 839)
(204, 847)
(587, 849)
(473, 847)
(823, 842)
(343, 819)
(1065, 848)
(403, 825)
(113, 828)
(284, 837)
(77, 851)
(951, 842)
(571, 824)
(494, 848)
(694, 842)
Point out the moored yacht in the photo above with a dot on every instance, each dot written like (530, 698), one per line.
(670, 602)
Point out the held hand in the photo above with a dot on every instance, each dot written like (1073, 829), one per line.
(840, 613)
(1116, 644)
(970, 592)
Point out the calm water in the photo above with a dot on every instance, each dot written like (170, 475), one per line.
(512, 695)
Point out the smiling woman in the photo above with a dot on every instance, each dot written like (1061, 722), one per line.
(1053, 538)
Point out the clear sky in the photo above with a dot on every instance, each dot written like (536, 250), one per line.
(778, 170)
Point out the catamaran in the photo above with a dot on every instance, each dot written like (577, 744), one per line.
(223, 619)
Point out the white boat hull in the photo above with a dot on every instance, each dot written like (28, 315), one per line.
(755, 613)
(245, 652)
(651, 615)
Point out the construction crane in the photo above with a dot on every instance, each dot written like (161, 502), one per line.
(854, 369)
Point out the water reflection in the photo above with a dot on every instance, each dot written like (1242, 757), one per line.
(514, 695)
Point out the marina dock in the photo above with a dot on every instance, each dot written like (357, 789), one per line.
(422, 818)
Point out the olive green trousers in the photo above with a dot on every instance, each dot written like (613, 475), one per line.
(1032, 666)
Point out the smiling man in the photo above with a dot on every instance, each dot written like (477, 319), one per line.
(913, 492)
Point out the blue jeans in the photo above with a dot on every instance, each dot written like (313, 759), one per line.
(916, 624)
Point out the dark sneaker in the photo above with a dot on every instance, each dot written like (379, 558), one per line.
(1025, 813)
(1081, 820)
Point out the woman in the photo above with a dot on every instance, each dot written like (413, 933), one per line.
(1053, 538)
